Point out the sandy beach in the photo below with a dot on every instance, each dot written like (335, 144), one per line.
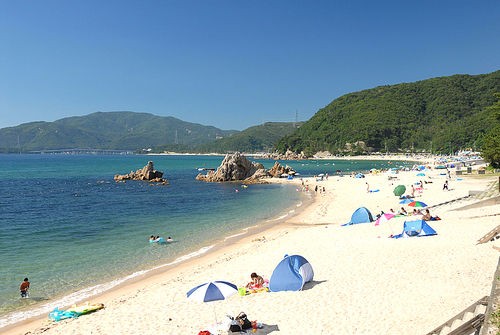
(364, 282)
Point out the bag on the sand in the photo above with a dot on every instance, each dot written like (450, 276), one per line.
(243, 321)
(235, 327)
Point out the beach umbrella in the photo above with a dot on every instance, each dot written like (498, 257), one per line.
(212, 291)
(405, 201)
(420, 174)
(384, 218)
(399, 190)
(417, 204)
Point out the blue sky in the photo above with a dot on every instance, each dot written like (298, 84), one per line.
(230, 64)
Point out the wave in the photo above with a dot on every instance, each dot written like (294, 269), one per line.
(88, 292)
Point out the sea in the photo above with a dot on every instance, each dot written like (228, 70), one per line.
(74, 232)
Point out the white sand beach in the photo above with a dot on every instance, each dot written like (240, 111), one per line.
(364, 282)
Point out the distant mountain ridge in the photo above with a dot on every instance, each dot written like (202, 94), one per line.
(261, 138)
(107, 130)
(439, 114)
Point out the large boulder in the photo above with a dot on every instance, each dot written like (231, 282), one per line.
(235, 167)
(279, 170)
(147, 173)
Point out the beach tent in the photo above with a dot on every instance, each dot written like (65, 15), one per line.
(416, 228)
(360, 215)
(291, 274)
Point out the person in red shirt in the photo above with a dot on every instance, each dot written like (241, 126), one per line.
(25, 285)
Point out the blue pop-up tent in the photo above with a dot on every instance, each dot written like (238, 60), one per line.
(360, 215)
(291, 274)
(416, 228)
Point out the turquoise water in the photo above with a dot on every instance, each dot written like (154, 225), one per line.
(66, 225)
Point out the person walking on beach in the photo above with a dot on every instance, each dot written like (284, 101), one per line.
(24, 287)
(445, 186)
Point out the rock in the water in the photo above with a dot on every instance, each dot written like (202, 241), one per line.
(233, 167)
(236, 167)
(147, 173)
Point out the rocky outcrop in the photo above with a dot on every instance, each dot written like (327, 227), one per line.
(147, 173)
(288, 155)
(278, 170)
(236, 167)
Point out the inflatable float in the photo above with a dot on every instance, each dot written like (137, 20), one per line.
(159, 240)
(74, 311)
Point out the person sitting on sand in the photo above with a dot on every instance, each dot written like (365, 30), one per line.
(25, 285)
(257, 281)
(428, 217)
(416, 212)
(402, 211)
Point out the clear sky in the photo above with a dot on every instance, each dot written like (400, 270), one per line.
(230, 64)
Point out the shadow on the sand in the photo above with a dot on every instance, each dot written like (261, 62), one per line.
(266, 329)
(311, 284)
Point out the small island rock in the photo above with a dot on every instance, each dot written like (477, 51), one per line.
(147, 173)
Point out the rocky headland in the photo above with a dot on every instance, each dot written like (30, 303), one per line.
(288, 155)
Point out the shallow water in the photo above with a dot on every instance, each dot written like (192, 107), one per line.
(66, 225)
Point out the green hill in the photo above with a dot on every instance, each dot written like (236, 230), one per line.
(440, 114)
(107, 130)
(260, 138)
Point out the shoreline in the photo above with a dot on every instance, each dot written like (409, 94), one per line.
(130, 282)
(323, 216)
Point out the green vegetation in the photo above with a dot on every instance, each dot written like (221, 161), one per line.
(440, 115)
(260, 138)
(495, 320)
(111, 130)
(491, 142)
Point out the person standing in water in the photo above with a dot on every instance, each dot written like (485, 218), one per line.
(24, 287)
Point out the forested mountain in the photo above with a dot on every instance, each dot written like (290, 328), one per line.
(262, 138)
(107, 130)
(441, 114)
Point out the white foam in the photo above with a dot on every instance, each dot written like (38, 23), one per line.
(281, 217)
(85, 293)
(235, 235)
